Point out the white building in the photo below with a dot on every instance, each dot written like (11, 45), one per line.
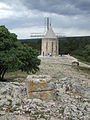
(50, 45)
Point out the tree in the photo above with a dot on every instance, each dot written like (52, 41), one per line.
(28, 59)
(15, 56)
(86, 53)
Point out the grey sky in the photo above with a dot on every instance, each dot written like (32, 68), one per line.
(69, 17)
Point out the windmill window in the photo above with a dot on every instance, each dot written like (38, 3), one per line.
(52, 46)
(46, 46)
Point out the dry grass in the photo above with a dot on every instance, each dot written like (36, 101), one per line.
(13, 76)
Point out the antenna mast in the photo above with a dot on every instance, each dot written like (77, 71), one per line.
(48, 24)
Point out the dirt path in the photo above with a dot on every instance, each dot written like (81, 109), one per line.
(59, 67)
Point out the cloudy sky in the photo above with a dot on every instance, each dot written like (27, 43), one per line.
(68, 17)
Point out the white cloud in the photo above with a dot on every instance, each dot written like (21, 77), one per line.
(72, 32)
(5, 11)
(5, 14)
(26, 17)
(4, 6)
(27, 31)
(13, 11)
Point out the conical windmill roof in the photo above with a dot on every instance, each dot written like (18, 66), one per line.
(50, 33)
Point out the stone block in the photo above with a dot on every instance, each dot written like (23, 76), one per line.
(40, 87)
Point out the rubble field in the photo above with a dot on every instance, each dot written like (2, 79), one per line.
(71, 97)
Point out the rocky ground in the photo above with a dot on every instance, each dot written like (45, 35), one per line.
(71, 100)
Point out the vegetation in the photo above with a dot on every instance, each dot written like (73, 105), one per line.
(76, 46)
(15, 76)
(16, 56)
(40, 114)
(35, 43)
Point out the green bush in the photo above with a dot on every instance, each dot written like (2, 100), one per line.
(14, 55)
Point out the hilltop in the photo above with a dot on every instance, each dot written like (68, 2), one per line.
(71, 99)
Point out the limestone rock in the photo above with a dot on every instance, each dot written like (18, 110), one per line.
(40, 87)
